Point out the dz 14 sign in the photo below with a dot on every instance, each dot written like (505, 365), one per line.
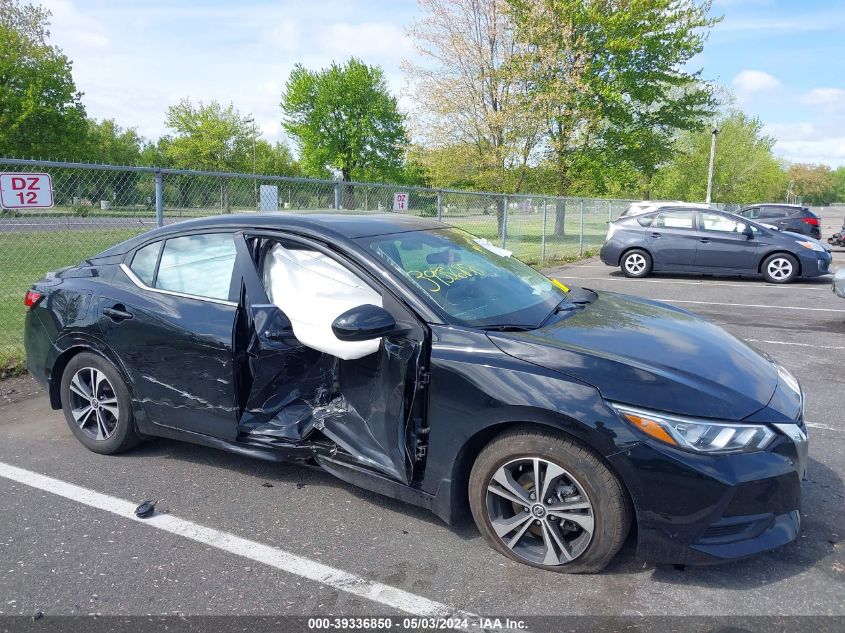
(400, 201)
(26, 191)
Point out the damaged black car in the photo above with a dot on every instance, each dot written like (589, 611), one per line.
(410, 358)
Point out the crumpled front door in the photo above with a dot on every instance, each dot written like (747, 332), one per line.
(293, 394)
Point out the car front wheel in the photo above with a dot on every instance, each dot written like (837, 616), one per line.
(548, 502)
(636, 263)
(97, 406)
(780, 268)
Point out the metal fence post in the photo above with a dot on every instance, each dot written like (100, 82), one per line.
(610, 210)
(336, 195)
(159, 198)
(543, 235)
(581, 231)
(439, 205)
(504, 220)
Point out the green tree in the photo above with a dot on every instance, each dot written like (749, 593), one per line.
(837, 176)
(208, 137)
(745, 169)
(609, 80)
(275, 159)
(41, 113)
(343, 118)
(813, 184)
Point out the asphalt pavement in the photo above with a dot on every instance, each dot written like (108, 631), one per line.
(260, 536)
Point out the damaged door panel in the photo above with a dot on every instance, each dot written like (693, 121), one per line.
(367, 410)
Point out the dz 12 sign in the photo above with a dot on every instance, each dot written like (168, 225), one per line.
(26, 191)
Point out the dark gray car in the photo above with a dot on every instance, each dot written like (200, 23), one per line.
(787, 217)
(700, 240)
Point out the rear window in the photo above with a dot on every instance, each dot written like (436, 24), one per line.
(673, 220)
(198, 265)
(144, 262)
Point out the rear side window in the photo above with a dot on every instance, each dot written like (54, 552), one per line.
(673, 220)
(775, 212)
(144, 262)
(198, 265)
(752, 213)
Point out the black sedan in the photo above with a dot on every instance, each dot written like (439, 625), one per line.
(412, 359)
(701, 240)
(787, 217)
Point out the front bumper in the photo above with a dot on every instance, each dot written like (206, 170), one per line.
(815, 263)
(700, 509)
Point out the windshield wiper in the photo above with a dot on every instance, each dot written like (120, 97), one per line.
(507, 327)
(564, 304)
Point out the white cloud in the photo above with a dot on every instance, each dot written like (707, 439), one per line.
(828, 98)
(133, 60)
(818, 142)
(750, 82)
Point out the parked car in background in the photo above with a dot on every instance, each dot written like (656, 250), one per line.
(839, 283)
(647, 206)
(786, 217)
(701, 240)
(415, 360)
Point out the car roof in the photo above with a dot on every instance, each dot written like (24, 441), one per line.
(349, 226)
(776, 204)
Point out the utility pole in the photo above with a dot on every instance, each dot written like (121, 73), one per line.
(255, 182)
(710, 169)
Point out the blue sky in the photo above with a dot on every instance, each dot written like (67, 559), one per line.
(784, 60)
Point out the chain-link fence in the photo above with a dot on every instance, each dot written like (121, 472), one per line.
(95, 206)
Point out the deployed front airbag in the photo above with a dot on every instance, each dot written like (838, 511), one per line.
(313, 290)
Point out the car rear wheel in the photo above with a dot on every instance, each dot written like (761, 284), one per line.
(96, 405)
(548, 502)
(636, 263)
(780, 268)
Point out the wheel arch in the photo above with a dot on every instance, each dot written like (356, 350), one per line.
(628, 249)
(779, 251)
(472, 447)
(71, 347)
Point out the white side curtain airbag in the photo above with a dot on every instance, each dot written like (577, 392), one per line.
(313, 290)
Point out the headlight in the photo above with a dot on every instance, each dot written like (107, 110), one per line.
(699, 436)
(813, 246)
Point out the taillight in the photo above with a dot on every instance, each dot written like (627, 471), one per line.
(811, 221)
(31, 298)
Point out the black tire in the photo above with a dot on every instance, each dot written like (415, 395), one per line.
(117, 432)
(609, 511)
(636, 263)
(780, 268)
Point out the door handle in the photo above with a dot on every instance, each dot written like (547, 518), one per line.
(117, 313)
(704, 240)
(278, 335)
(656, 234)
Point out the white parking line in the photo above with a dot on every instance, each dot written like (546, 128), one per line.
(751, 305)
(224, 541)
(825, 427)
(756, 340)
(826, 288)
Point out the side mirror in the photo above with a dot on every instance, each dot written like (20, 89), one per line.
(364, 323)
(748, 232)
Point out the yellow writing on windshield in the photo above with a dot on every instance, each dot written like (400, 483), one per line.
(437, 277)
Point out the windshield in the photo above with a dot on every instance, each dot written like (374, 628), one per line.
(472, 281)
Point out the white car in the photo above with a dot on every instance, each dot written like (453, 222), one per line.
(646, 206)
(839, 283)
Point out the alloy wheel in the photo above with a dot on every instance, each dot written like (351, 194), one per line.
(93, 403)
(779, 268)
(635, 264)
(540, 511)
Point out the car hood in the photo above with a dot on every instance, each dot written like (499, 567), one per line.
(650, 354)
